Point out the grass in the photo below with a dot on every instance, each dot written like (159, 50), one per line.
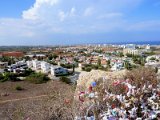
(19, 88)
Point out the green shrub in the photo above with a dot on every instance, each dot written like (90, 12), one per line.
(27, 72)
(68, 66)
(37, 78)
(19, 88)
(1, 77)
(95, 67)
(65, 80)
(8, 77)
(88, 69)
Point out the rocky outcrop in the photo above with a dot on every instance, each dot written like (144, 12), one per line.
(86, 78)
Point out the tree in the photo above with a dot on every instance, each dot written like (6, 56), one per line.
(27, 58)
(109, 63)
(73, 67)
(88, 69)
(120, 54)
(156, 69)
(99, 62)
(10, 60)
(127, 65)
(129, 55)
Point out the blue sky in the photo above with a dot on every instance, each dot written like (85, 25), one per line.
(51, 22)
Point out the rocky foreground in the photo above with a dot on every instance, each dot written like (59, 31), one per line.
(120, 95)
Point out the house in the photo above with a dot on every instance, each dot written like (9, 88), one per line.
(130, 46)
(57, 70)
(117, 67)
(3, 65)
(103, 62)
(30, 64)
(45, 67)
(148, 48)
(35, 55)
(36, 65)
(22, 64)
(18, 66)
(107, 57)
(132, 51)
(1, 70)
(13, 54)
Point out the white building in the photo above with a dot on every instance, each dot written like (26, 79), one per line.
(18, 66)
(148, 47)
(1, 70)
(132, 51)
(35, 55)
(130, 46)
(30, 64)
(45, 67)
(3, 65)
(21, 64)
(117, 67)
(36, 65)
(57, 70)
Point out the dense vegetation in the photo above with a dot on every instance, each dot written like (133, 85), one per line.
(65, 80)
(89, 67)
(37, 78)
(8, 77)
(29, 75)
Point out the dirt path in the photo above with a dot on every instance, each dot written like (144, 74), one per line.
(27, 98)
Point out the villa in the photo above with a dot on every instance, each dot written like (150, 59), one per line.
(45, 67)
(57, 70)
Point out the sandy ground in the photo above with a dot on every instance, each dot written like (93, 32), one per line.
(34, 101)
(30, 90)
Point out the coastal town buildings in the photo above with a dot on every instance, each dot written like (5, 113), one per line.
(57, 70)
(132, 51)
(45, 67)
(36, 65)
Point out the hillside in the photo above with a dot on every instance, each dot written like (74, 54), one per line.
(99, 95)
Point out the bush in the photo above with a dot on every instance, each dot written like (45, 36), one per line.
(1, 77)
(37, 78)
(19, 88)
(68, 66)
(8, 77)
(142, 75)
(88, 69)
(27, 72)
(95, 67)
(65, 80)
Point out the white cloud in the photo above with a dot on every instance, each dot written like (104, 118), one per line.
(38, 8)
(72, 13)
(88, 11)
(48, 17)
(62, 15)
